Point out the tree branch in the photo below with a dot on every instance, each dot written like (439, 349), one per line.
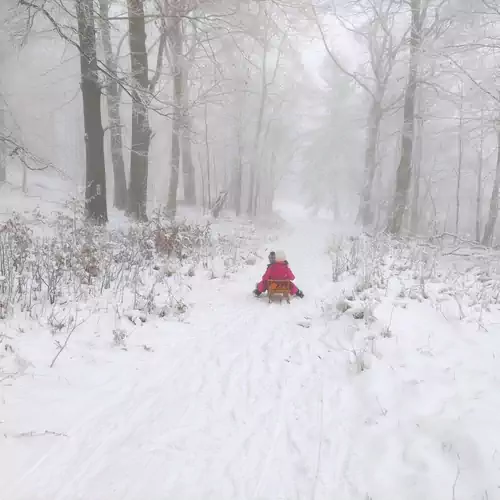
(336, 61)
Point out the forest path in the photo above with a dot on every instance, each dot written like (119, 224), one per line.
(246, 402)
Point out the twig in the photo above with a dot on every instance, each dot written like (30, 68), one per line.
(458, 238)
(8, 375)
(65, 343)
(452, 252)
(456, 479)
(38, 434)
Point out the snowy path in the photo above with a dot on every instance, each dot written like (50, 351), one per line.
(243, 403)
(233, 408)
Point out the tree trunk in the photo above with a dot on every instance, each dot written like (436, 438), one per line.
(207, 161)
(202, 178)
(417, 161)
(365, 214)
(176, 43)
(188, 166)
(3, 146)
(114, 119)
(493, 212)
(237, 176)
(479, 183)
(215, 177)
(460, 161)
(403, 175)
(189, 178)
(95, 175)
(257, 194)
(479, 197)
(237, 171)
(219, 203)
(141, 133)
(25, 179)
(252, 200)
(417, 164)
(238, 184)
(272, 184)
(251, 189)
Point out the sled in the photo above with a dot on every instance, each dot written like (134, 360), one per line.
(278, 289)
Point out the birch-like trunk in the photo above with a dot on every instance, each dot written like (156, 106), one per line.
(460, 161)
(114, 119)
(141, 133)
(365, 213)
(187, 163)
(479, 182)
(207, 161)
(479, 196)
(189, 179)
(175, 155)
(237, 171)
(489, 229)
(3, 148)
(417, 163)
(254, 166)
(403, 174)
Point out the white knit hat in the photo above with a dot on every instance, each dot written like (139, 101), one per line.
(280, 256)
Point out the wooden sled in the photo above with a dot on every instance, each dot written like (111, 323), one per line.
(278, 289)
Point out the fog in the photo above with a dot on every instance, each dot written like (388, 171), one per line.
(249, 249)
(319, 103)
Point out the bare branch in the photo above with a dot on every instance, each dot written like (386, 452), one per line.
(336, 60)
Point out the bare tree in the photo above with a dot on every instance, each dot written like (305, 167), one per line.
(141, 133)
(479, 179)
(254, 166)
(113, 105)
(236, 191)
(189, 181)
(95, 173)
(403, 174)
(3, 147)
(181, 60)
(489, 228)
(460, 157)
(95, 189)
(417, 163)
(265, 86)
(175, 37)
(383, 46)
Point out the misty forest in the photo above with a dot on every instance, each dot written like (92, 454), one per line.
(156, 156)
(383, 111)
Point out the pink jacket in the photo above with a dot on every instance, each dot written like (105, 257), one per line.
(278, 271)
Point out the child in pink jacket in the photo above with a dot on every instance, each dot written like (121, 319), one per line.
(278, 270)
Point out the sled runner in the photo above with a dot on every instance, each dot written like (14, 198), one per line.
(279, 289)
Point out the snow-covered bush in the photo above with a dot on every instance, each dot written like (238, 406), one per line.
(461, 282)
(69, 260)
(15, 259)
(376, 271)
(179, 239)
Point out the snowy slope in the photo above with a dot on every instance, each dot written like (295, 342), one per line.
(246, 400)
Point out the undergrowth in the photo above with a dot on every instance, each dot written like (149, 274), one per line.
(377, 270)
(70, 261)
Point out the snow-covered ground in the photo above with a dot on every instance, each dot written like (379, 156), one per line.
(382, 385)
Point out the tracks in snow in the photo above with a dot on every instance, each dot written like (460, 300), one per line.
(251, 407)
